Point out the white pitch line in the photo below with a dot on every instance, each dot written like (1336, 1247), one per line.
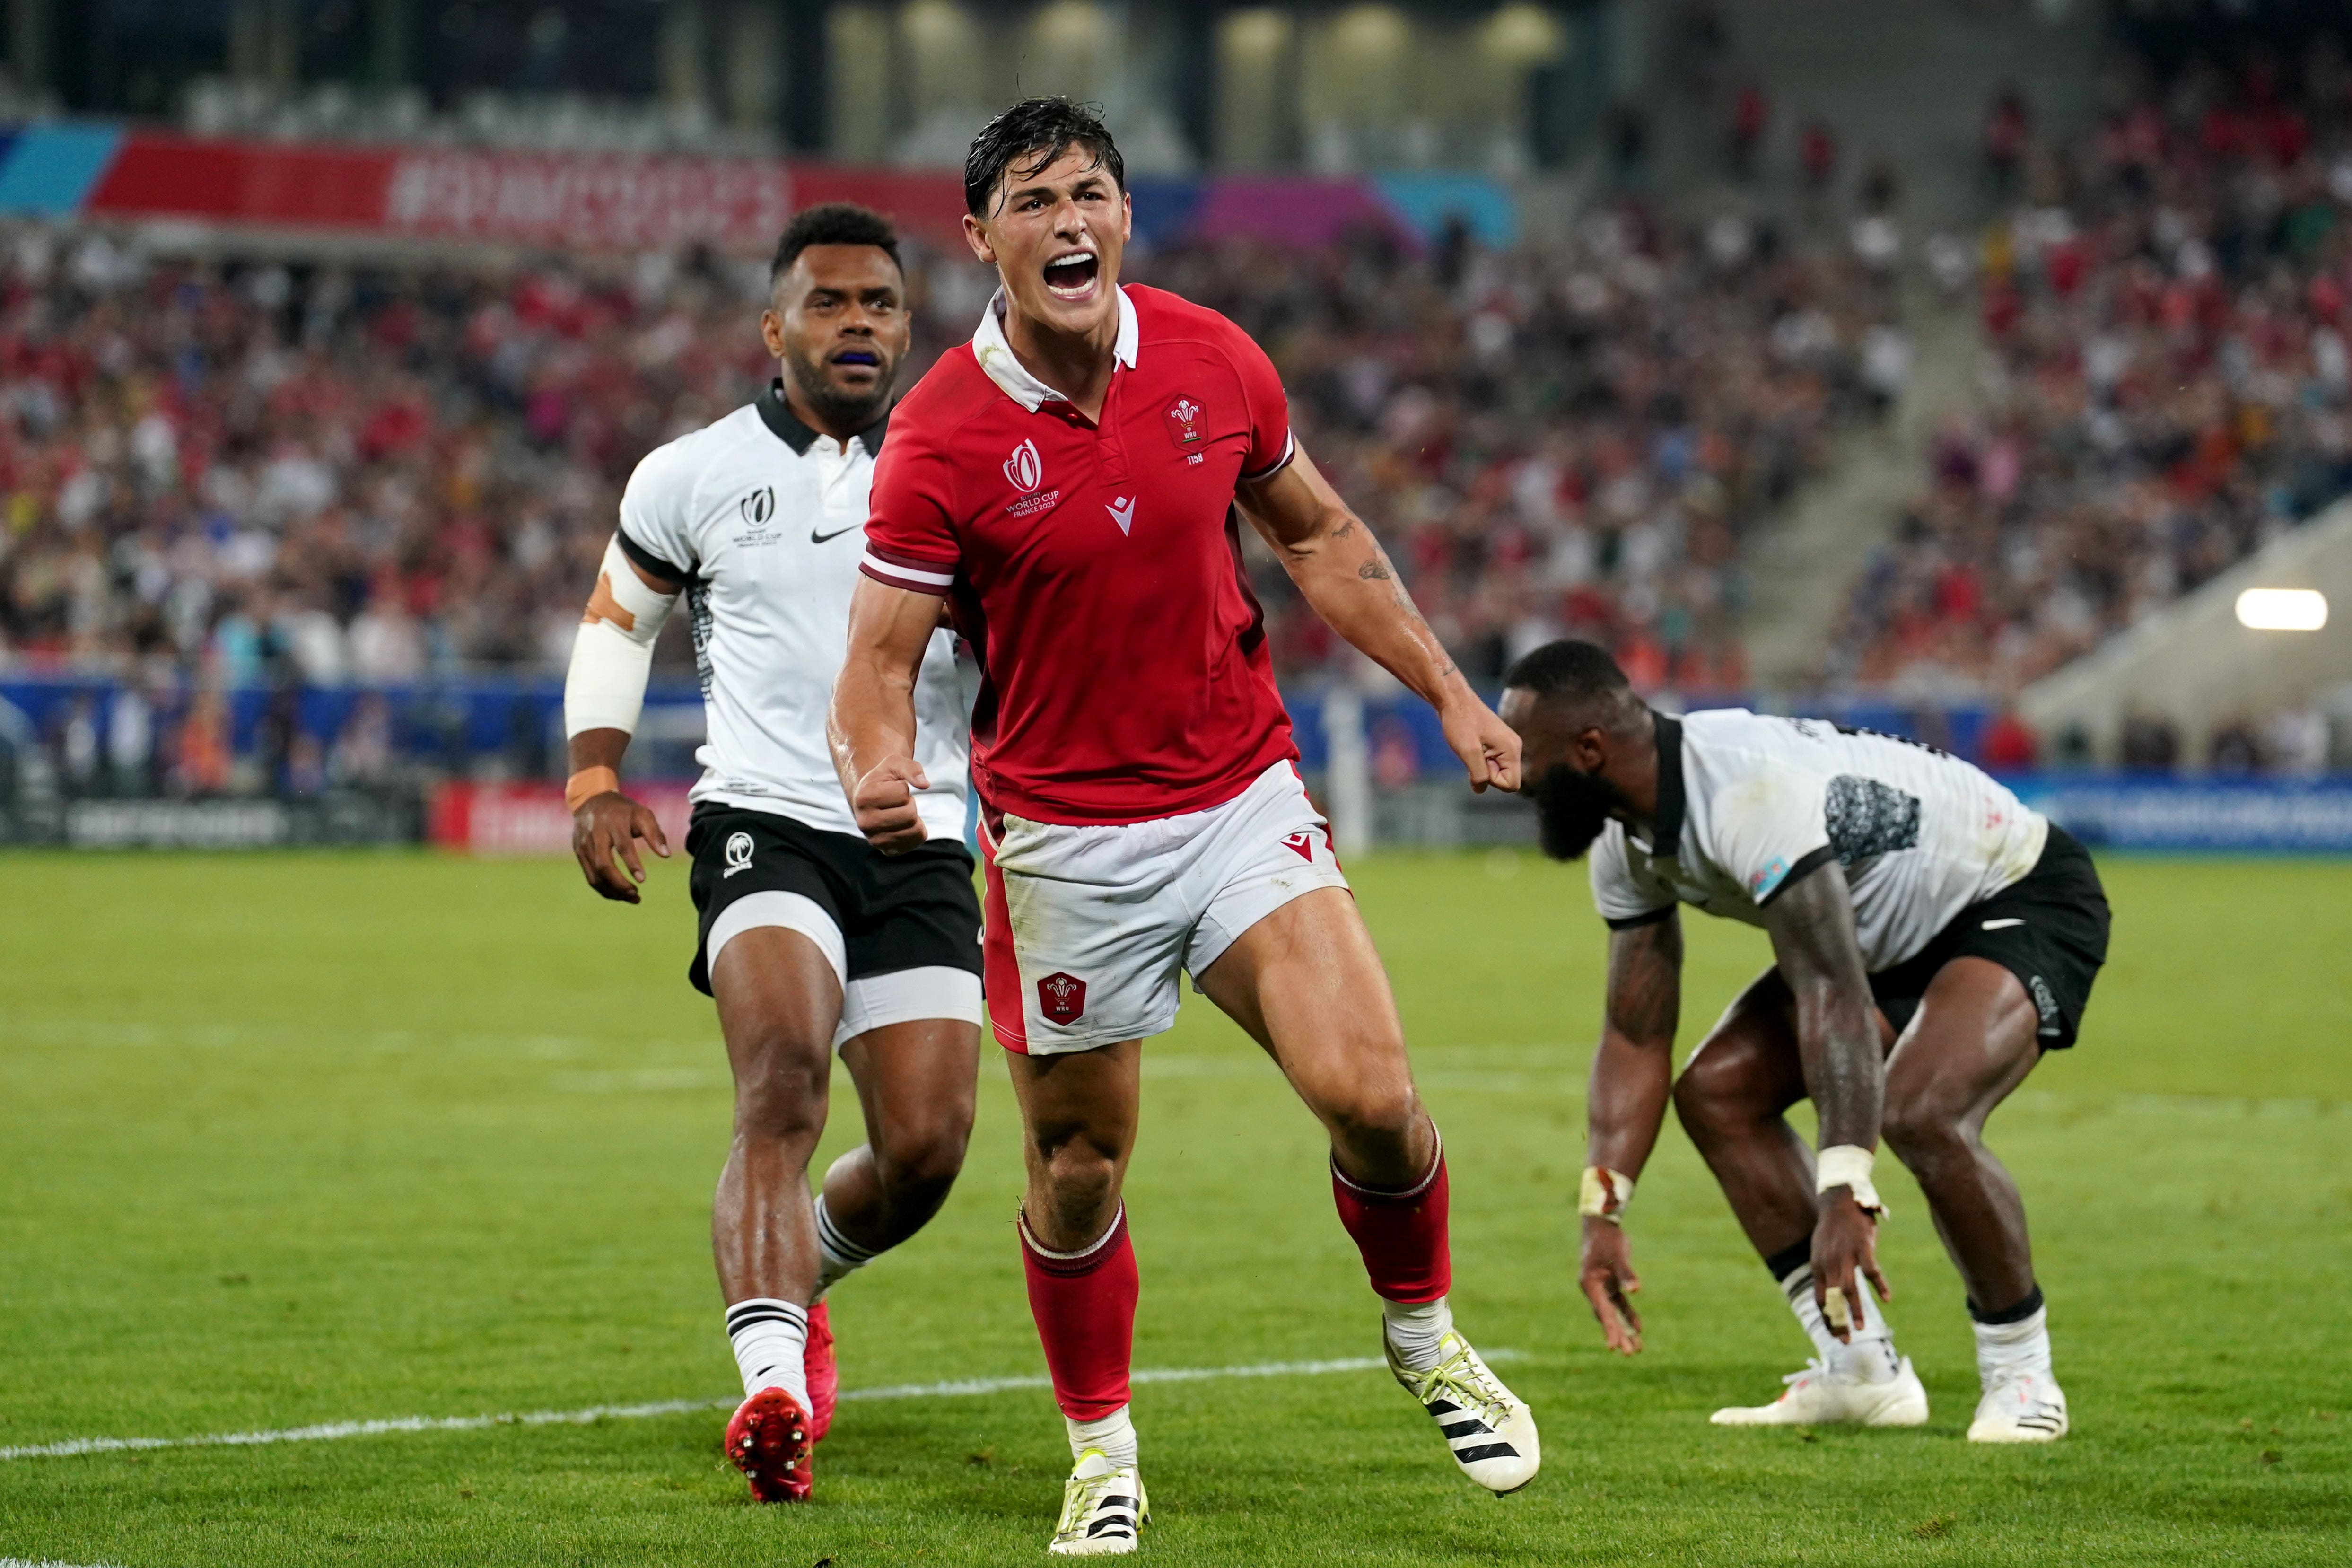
(29, 1563)
(330, 1431)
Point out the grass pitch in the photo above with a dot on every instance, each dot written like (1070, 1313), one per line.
(298, 1138)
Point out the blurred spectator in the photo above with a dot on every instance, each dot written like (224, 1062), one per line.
(386, 647)
(363, 753)
(2233, 749)
(1628, 133)
(2150, 742)
(2008, 128)
(1751, 114)
(77, 749)
(130, 741)
(203, 762)
(1817, 156)
(2296, 740)
(2008, 744)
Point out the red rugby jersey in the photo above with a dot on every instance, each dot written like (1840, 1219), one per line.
(1096, 569)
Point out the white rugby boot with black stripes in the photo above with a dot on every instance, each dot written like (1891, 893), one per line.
(2022, 1406)
(1103, 1508)
(1489, 1431)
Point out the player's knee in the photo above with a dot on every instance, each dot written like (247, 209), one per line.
(1371, 1113)
(1080, 1172)
(1923, 1134)
(785, 1097)
(922, 1160)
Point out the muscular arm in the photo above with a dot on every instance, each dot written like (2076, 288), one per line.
(1344, 573)
(871, 725)
(1633, 1072)
(610, 664)
(1633, 1077)
(1814, 943)
(1811, 928)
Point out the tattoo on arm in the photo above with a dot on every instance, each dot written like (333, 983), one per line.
(1374, 572)
(1345, 529)
(1813, 942)
(1646, 966)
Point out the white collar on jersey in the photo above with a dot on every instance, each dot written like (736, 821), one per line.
(1005, 367)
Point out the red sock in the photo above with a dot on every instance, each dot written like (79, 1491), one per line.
(1401, 1234)
(1085, 1306)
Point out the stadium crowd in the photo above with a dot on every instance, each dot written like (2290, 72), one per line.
(252, 473)
(2164, 320)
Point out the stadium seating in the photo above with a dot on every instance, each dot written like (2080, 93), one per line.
(224, 475)
(2164, 316)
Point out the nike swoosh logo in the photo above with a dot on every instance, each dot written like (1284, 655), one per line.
(816, 538)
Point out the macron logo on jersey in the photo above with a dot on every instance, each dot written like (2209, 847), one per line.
(1122, 512)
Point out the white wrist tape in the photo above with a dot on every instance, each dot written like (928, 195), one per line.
(1605, 1193)
(613, 656)
(1848, 1165)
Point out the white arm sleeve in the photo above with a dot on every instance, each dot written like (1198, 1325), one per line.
(613, 656)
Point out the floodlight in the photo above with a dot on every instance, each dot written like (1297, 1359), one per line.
(2283, 609)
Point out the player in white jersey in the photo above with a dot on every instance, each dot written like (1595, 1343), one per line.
(809, 941)
(1932, 937)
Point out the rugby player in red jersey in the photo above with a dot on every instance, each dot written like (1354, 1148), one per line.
(1071, 484)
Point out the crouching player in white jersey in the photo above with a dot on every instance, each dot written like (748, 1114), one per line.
(810, 940)
(1932, 936)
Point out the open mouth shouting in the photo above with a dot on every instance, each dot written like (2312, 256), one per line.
(1071, 275)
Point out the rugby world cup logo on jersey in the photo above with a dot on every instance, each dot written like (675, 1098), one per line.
(758, 509)
(739, 853)
(1025, 469)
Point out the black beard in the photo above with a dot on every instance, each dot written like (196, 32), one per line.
(841, 412)
(1571, 809)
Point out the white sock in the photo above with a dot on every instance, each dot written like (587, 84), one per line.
(1869, 1353)
(1114, 1435)
(838, 1256)
(2005, 1350)
(1415, 1330)
(771, 1339)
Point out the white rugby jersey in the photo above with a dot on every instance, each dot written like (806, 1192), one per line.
(764, 521)
(1748, 804)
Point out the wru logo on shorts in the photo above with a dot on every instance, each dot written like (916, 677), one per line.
(1062, 998)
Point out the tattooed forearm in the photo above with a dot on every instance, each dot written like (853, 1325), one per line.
(1645, 980)
(1374, 572)
(1345, 529)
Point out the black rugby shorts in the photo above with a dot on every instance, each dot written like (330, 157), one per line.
(895, 911)
(2049, 928)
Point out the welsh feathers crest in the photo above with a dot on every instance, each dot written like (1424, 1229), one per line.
(1062, 998)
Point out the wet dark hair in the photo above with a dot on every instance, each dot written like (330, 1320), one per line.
(1576, 670)
(834, 223)
(1027, 138)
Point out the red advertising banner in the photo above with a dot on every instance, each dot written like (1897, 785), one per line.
(599, 202)
(592, 201)
(532, 818)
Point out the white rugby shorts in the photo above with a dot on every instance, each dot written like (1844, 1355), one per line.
(1089, 931)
